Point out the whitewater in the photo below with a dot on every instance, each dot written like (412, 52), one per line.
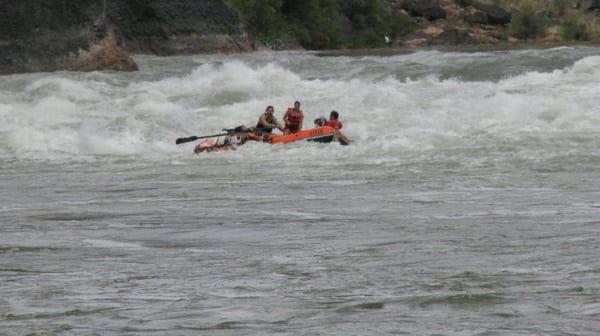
(467, 204)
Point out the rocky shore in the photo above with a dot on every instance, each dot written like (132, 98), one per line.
(49, 35)
(87, 35)
(449, 22)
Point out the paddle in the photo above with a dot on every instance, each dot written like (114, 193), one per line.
(238, 129)
(194, 138)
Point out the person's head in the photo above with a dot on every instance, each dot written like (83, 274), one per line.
(297, 105)
(320, 121)
(334, 115)
(270, 110)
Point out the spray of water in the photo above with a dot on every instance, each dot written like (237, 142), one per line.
(72, 116)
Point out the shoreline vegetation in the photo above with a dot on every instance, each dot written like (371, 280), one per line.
(352, 24)
(49, 35)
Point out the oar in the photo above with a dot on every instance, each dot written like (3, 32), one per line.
(194, 138)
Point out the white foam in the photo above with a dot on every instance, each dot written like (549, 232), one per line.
(60, 115)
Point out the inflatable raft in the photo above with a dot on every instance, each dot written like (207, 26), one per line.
(319, 134)
(231, 142)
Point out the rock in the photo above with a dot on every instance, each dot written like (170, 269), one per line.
(429, 9)
(345, 24)
(177, 26)
(475, 16)
(451, 36)
(448, 37)
(464, 3)
(552, 33)
(588, 5)
(44, 35)
(415, 43)
(495, 15)
(49, 35)
(482, 36)
(433, 31)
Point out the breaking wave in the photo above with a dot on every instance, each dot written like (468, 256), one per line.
(88, 116)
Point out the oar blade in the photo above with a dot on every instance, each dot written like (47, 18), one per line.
(185, 140)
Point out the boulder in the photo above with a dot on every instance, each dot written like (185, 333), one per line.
(464, 3)
(496, 15)
(429, 9)
(475, 16)
(589, 5)
(451, 36)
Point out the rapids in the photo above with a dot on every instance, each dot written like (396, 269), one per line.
(467, 204)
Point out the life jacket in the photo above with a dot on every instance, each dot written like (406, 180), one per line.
(294, 119)
(335, 124)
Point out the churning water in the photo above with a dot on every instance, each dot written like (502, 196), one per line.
(468, 203)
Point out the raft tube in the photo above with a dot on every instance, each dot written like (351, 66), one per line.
(319, 134)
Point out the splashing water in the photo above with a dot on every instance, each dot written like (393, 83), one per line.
(468, 203)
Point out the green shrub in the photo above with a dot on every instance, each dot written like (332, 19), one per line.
(315, 22)
(527, 24)
(464, 3)
(560, 7)
(573, 29)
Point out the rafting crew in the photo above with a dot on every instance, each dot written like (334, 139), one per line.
(323, 131)
(293, 119)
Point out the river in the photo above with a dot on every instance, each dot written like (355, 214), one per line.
(467, 204)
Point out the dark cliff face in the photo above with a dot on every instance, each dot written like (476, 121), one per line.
(47, 35)
(39, 35)
(176, 26)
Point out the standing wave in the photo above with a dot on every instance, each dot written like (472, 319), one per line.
(59, 116)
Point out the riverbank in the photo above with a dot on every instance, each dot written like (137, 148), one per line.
(45, 35)
(41, 35)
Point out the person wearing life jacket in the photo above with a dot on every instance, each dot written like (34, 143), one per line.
(293, 119)
(336, 124)
(267, 121)
(334, 121)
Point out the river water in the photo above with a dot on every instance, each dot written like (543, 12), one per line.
(468, 203)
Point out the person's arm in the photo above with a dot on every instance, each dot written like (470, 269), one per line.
(279, 126)
(301, 121)
(341, 138)
(262, 121)
(265, 124)
(285, 117)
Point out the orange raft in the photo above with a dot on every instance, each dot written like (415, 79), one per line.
(319, 134)
(323, 134)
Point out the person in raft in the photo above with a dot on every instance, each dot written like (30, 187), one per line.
(334, 121)
(267, 121)
(320, 121)
(337, 126)
(293, 119)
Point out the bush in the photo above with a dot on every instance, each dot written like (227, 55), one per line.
(464, 3)
(573, 29)
(559, 7)
(527, 24)
(316, 24)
